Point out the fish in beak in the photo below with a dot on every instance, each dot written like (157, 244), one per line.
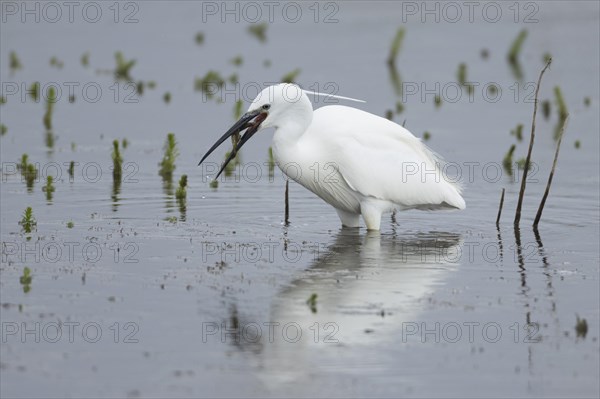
(250, 122)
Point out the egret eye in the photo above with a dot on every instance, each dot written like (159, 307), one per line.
(266, 107)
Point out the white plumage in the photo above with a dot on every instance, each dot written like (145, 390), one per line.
(359, 163)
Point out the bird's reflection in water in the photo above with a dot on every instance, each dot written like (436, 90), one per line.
(366, 286)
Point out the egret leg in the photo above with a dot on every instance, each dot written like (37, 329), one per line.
(348, 219)
(371, 213)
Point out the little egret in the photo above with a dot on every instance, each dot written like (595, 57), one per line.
(359, 163)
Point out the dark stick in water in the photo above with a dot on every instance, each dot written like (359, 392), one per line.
(531, 140)
(500, 209)
(287, 203)
(543, 202)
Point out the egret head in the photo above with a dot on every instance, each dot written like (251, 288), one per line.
(275, 105)
(270, 108)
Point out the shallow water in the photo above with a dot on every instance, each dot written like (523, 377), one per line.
(214, 302)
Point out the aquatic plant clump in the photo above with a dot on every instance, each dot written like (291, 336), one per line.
(167, 165)
(117, 161)
(181, 192)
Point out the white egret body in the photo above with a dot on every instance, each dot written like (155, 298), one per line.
(359, 163)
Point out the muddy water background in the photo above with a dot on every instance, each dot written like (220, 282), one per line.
(436, 305)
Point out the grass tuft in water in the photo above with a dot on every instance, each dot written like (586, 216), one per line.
(15, 62)
(312, 302)
(577, 144)
(49, 109)
(209, 84)
(587, 101)
(271, 162)
(389, 114)
(426, 136)
(55, 62)
(516, 46)
(237, 60)
(26, 279)
(461, 77)
(49, 188)
(259, 31)
(123, 67)
(3, 129)
(167, 165)
(181, 192)
(437, 101)
(507, 162)
(199, 38)
(117, 161)
(70, 225)
(71, 169)
(167, 97)
(28, 171)
(396, 46)
(85, 59)
(290, 77)
(399, 107)
(546, 109)
(34, 91)
(2, 100)
(581, 327)
(214, 184)
(125, 143)
(28, 222)
(563, 112)
(518, 132)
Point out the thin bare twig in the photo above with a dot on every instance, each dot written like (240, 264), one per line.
(531, 140)
(538, 216)
(287, 203)
(500, 209)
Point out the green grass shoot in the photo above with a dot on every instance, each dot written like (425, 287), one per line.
(290, 77)
(516, 46)
(507, 162)
(312, 302)
(85, 59)
(396, 46)
(123, 68)
(15, 63)
(34, 91)
(28, 222)
(117, 161)
(49, 108)
(70, 225)
(199, 38)
(167, 165)
(518, 132)
(208, 83)
(259, 31)
(26, 279)
(3, 129)
(167, 97)
(181, 192)
(49, 188)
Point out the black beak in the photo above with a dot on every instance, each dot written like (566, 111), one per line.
(250, 121)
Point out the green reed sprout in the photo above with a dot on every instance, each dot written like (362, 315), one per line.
(518, 132)
(199, 38)
(28, 222)
(15, 63)
(123, 67)
(259, 31)
(49, 188)
(70, 225)
(3, 129)
(396, 46)
(563, 112)
(581, 327)
(55, 62)
(34, 91)
(546, 108)
(290, 77)
(167, 165)
(85, 59)
(125, 143)
(49, 108)
(237, 60)
(181, 192)
(214, 184)
(426, 136)
(399, 107)
(117, 161)
(312, 302)
(516, 46)
(271, 162)
(207, 84)
(577, 144)
(461, 77)
(507, 162)
(437, 101)
(167, 97)
(26, 280)
(72, 169)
